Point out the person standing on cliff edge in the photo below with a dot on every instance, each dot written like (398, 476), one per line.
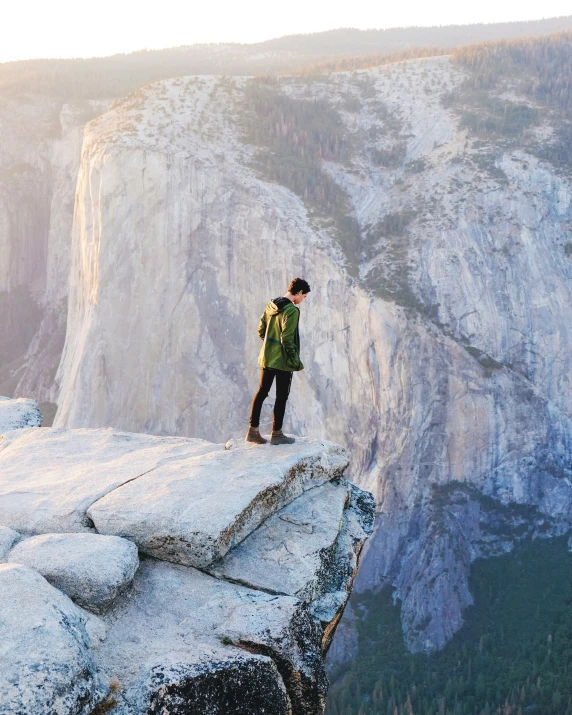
(279, 357)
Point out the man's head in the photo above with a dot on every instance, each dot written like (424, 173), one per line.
(298, 290)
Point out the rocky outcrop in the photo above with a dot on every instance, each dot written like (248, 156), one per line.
(309, 550)
(289, 550)
(188, 612)
(170, 637)
(42, 497)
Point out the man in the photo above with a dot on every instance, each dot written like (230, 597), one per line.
(279, 357)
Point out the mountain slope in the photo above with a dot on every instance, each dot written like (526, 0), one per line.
(436, 330)
(512, 655)
(115, 76)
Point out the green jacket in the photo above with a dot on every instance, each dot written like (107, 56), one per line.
(278, 328)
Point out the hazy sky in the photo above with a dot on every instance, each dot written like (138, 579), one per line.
(79, 28)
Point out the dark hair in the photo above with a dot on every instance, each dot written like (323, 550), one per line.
(297, 285)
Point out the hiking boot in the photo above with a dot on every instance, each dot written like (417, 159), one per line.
(253, 435)
(280, 438)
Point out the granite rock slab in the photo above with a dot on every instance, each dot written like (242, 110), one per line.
(193, 512)
(45, 661)
(49, 477)
(18, 413)
(289, 551)
(93, 570)
(175, 609)
(310, 549)
(171, 638)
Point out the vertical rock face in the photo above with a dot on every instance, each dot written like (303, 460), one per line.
(39, 161)
(436, 351)
(461, 397)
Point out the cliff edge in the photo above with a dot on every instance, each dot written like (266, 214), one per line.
(143, 574)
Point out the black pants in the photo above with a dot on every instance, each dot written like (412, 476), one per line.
(283, 381)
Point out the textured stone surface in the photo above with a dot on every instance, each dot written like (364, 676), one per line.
(49, 477)
(177, 610)
(16, 414)
(211, 679)
(340, 572)
(90, 568)
(309, 549)
(193, 512)
(7, 539)
(45, 663)
(286, 553)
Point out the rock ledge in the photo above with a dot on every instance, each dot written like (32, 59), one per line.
(279, 530)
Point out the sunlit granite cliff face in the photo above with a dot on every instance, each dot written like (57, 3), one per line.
(40, 152)
(435, 350)
(248, 555)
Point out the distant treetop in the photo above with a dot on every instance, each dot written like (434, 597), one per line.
(343, 49)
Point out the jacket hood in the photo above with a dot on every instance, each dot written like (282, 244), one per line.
(277, 305)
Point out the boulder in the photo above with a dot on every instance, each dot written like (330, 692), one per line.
(45, 663)
(19, 413)
(177, 611)
(8, 538)
(193, 511)
(92, 569)
(212, 679)
(49, 477)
